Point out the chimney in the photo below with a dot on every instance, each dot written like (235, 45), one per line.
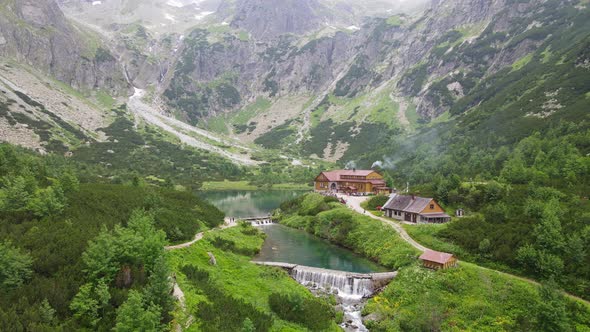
(354, 169)
(413, 197)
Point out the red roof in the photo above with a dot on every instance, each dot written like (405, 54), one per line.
(335, 175)
(436, 256)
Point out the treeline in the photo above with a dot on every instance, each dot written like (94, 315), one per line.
(528, 209)
(83, 255)
(147, 155)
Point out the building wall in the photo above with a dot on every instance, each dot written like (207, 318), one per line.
(435, 208)
(374, 176)
(433, 265)
(321, 186)
(391, 214)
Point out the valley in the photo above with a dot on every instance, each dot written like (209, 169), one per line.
(136, 135)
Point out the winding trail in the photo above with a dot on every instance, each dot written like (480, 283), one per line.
(177, 291)
(354, 203)
(227, 223)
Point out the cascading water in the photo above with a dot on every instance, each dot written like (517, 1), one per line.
(333, 281)
(349, 289)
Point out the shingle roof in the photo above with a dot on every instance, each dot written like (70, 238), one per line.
(436, 256)
(335, 175)
(407, 203)
(399, 202)
(418, 204)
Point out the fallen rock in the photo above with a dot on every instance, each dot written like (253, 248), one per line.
(212, 259)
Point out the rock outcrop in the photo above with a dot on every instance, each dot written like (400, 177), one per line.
(37, 33)
(268, 19)
(451, 42)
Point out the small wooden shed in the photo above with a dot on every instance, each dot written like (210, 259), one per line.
(438, 260)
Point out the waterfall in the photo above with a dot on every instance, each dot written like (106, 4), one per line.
(333, 281)
(350, 291)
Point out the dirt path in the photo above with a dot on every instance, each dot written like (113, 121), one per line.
(177, 291)
(226, 224)
(354, 202)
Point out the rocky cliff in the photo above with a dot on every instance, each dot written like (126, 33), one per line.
(311, 77)
(455, 42)
(266, 19)
(37, 33)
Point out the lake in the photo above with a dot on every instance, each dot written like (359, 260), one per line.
(288, 245)
(248, 203)
(284, 244)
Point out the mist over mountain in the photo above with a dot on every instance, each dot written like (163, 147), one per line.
(135, 133)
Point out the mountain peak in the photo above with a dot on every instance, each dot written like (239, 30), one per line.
(267, 19)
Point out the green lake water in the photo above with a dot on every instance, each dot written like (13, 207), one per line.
(288, 245)
(284, 244)
(248, 203)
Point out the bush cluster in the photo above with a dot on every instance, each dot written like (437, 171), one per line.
(224, 312)
(312, 313)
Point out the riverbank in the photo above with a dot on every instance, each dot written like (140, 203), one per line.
(246, 186)
(235, 295)
(468, 297)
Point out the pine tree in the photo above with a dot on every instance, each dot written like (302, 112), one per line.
(159, 288)
(133, 316)
(85, 306)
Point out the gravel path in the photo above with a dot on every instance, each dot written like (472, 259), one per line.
(227, 224)
(354, 202)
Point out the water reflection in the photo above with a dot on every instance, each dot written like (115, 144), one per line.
(248, 203)
(289, 245)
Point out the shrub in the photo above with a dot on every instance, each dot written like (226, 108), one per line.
(310, 312)
(313, 204)
(229, 245)
(223, 312)
(376, 201)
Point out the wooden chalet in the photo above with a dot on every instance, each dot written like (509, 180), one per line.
(351, 181)
(415, 209)
(438, 260)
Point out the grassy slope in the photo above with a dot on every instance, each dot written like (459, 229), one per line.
(426, 235)
(235, 275)
(465, 298)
